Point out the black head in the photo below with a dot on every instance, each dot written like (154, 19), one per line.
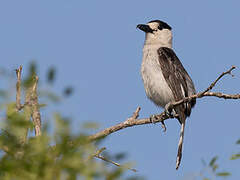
(162, 25)
(154, 25)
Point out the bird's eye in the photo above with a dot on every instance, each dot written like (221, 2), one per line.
(160, 27)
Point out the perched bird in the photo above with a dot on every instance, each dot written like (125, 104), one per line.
(164, 77)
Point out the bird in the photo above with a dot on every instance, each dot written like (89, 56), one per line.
(164, 77)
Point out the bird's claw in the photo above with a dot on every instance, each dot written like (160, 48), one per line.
(168, 109)
(154, 119)
(164, 126)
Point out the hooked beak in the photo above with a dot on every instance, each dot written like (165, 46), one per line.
(145, 28)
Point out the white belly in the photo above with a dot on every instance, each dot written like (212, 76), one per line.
(155, 84)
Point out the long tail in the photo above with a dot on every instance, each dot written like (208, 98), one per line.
(180, 144)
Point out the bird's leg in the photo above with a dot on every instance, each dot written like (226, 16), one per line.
(174, 114)
(169, 111)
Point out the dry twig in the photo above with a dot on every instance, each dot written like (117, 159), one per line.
(31, 101)
(36, 117)
(97, 155)
(18, 88)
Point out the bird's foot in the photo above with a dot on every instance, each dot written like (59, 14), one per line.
(154, 119)
(168, 109)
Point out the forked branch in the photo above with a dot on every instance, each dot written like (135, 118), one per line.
(31, 101)
(134, 121)
(99, 156)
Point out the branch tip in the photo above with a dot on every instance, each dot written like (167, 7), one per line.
(100, 151)
(18, 89)
(136, 113)
(97, 155)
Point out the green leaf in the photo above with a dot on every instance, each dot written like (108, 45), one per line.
(235, 156)
(224, 174)
(33, 68)
(3, 93)
(214, 167)
(91, 125)
(51, 74)
(50, 96)
(11, 108)
(238, 141)
(120, 156)
(42, 105)
(68, 91)
(212, 162)
(135, 178)
(29, 80)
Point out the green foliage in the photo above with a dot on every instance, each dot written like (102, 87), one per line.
(223, 174)
(90, 125)
(32, 71)
(235, 156)
(3, 94)
(212, 169)
(238, 141)
(53, 155)
(51, 75)
(213, 164)
(60, 156)
(68, 91)
(50, 96)
(36, 159)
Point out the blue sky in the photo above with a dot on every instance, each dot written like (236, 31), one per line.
(96, 48)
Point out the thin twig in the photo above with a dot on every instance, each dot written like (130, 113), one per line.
(19, 106)
(134, 121)
(18, 89)
(219, 77)
(97, 155)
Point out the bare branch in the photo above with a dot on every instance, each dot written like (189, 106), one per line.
(134, 121)
(221, 95)
(31, 107)
(97, 155)
(18, 89)
(219, 77)
(19, 106)
(36, 117)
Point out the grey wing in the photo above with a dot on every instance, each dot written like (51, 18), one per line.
(177, 78)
